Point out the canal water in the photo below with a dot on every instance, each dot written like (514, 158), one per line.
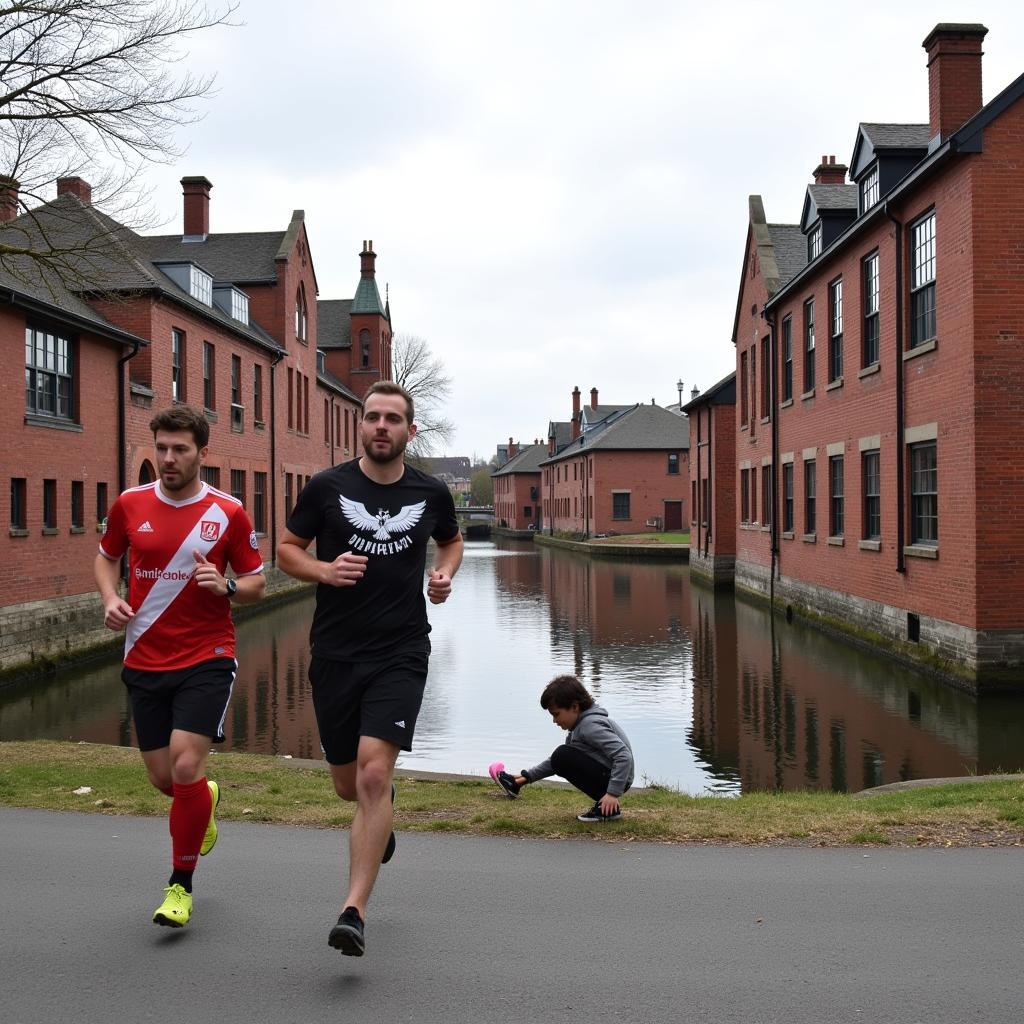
(715, 696)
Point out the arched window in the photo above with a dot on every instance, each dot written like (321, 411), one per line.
(364, 346)
(146, 473)
(301, 322)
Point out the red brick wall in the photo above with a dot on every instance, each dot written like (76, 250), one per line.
(512, 498)
(38, 566)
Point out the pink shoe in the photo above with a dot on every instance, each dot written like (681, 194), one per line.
(504, 779)
(493, 769)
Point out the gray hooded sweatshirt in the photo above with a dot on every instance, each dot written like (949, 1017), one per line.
(603, 739)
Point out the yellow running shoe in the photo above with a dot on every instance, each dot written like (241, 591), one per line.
(176, 908)
(210, 839)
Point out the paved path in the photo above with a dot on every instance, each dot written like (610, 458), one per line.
(478, 930)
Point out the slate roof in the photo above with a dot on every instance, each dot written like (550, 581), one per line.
(834, 197)
(562, 431)
(790, 246)
(333, 323)
(896, 136)
(457, 465)
(327, 378)
(642, 428)
(239, 257)
(527, 461)
(107, 256)
(367, 297)
(722, 392)
(588, 414)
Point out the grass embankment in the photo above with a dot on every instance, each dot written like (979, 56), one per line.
(267, 789)
(644, 538)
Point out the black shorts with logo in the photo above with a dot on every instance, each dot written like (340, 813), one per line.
(367, 698)
(193, 699)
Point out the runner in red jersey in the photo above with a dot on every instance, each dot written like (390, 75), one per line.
(180, 535)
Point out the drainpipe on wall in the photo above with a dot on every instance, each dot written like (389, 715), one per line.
(769, 319)
(900, 500)
(711, 484)
(122, 430)
(273, 457)
(700, 490)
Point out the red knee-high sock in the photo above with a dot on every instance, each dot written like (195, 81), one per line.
(190, 814)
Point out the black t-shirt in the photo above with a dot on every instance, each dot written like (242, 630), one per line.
(343, 510)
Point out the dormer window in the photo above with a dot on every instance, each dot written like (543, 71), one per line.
(814, 242)
(869, 190)
(200, 285)
(234, 302)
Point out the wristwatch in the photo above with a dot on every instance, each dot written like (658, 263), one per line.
(232, 586)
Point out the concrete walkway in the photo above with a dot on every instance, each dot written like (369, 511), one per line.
(476, 930)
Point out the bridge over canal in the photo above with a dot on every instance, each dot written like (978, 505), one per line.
(475, 521)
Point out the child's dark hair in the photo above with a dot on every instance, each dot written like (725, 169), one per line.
(563, 692)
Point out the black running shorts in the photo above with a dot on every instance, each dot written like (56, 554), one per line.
(357, 698)
(193, 699)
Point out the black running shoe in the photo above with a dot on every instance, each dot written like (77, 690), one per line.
(508, 783)
(389, 850)
(347, 934)
(596, 814)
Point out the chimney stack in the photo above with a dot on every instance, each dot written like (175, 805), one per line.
(593, 398)
(954, 76)
(196, 191)
(9, 189)
(76, 187)
(575, 412)
(828, 172)
(368, 260)
(513, 449)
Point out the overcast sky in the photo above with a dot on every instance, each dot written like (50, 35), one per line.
(557, 192)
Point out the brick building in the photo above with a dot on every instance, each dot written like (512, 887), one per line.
(879, 474)
(516, 487)
(624, 469)
(712, 419)
(128, 324)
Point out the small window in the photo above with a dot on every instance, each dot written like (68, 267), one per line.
(673, 463)
(814, 242)
(744, 496)
(809, 345)
(209, 369)
(259, 502)
(288, 493)
(49, 374)
(200, 285)
(835, 485)
(238, 485)
(787, 497)
(787, 359)
(364, 347)
(239, 306)
(869, 190)
(835, 334)
(871, 328)
(19, 511)
(49, 504)
(924, 494)
(178, 365)
(922, 281)
(237, 411)
(743, 388)
(766, 496)
(810, 495)
(77, 505)
(620, 505)
(210, 475)
(872, 488)
(257, 392)
(101, 502)
(301, 315)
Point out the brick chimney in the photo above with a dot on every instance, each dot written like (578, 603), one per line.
(76, 187)
(9, 189)
(197, 207)
(828, 172)
(575, 412)
(368, 260)
(593, 398)
(954, 76)
(513, 449)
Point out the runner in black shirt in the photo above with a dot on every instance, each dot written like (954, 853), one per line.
(371, 519)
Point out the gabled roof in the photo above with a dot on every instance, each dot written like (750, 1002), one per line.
(641, 428)
(591, 414)
(562, 432)
(333, 323)
(455, 465)
(876, 139)
(527, 460)
(820, 199)
(105, 256)
(721, 393)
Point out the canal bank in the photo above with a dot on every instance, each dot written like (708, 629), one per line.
(612, 549)
(40, 637)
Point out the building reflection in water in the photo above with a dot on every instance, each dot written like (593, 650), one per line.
(716, 697)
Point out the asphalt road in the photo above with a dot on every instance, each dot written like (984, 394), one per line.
(481, 930)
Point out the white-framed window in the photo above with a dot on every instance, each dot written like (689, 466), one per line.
(922, 280)
(239, 306)
(814, 242)
(869, 190)
(200, 285)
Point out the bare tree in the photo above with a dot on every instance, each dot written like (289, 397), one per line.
(90, 88)
(423, 375)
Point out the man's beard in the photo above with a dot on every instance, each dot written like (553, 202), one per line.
(394, 451)
(179, 482)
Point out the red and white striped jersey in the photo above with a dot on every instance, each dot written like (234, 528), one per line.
(177, 623)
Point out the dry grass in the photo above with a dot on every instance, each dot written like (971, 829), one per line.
(269, 789)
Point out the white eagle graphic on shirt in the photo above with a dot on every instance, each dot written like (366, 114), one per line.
(384, 525)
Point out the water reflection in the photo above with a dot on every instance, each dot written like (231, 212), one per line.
(715, 698)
